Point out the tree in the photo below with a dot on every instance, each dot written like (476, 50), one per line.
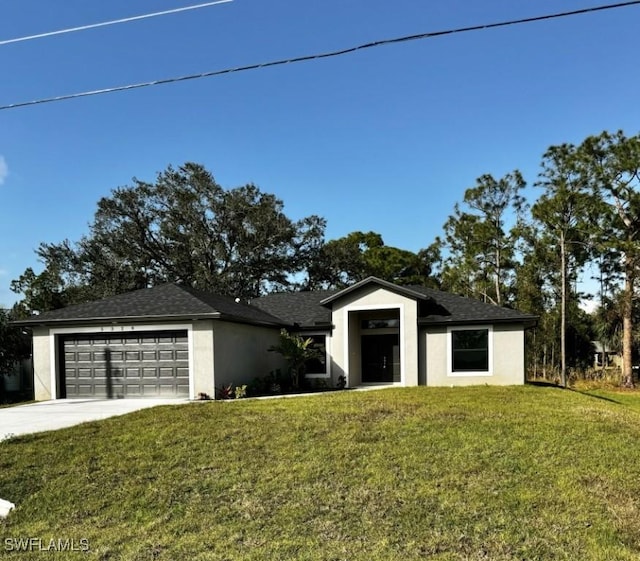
(611, 165)
(358, 255)
(183, 228)
(563, 212)
(482, 247)
(14, 346)
(533, 295)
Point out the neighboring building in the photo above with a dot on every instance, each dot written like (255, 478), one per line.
(177, 341)
(605, 359)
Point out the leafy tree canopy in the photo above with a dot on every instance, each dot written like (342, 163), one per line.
(358, 255)
(481, 239)
(183, 228)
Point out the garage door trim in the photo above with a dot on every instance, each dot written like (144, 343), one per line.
(113, 329)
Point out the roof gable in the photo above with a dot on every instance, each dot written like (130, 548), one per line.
(409, 292)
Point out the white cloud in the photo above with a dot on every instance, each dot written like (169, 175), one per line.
(4, 169)
(588, 306)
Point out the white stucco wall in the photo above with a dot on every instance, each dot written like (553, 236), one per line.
(241, 352)
(346, 341)
(202, 377)
(41, 364)
(507, 358)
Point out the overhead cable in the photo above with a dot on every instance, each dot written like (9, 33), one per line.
(379, 43)
(112, 22)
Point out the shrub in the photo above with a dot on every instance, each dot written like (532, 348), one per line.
(225, 392)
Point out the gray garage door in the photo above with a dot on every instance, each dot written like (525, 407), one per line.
(150, 364)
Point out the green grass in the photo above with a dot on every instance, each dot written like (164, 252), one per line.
(526, 473)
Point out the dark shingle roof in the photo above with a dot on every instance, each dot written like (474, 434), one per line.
(454, 309)
(303, 309)
(167, 301)
(299, 308)
(312, 308)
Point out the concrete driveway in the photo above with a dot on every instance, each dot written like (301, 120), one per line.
(61, 413)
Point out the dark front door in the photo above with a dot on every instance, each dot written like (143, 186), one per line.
(380, 358)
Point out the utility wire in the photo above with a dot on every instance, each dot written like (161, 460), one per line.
(112, 22)
(329, 54)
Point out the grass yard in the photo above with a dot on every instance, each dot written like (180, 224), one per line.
(485, 473)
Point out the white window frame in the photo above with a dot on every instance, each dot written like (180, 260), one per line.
(327, 354)
(477, 373)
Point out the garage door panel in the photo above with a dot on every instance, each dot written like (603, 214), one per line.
(133, 373)
(141, 365)
(166, 390)
(165, 355)
(85, 390)
(134, 390)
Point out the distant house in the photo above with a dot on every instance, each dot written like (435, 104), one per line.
(605, 358)
(172, 340)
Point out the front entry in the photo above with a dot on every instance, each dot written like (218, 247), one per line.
(380, 358)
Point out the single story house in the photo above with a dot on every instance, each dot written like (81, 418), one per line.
(173, 340)
(605, 358)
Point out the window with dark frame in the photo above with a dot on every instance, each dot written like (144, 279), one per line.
(470, 350)
(384, 323)
(317, 365)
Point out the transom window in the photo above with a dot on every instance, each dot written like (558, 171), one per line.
(384, 323)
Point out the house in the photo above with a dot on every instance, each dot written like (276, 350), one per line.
(172, 340)
(604, 357)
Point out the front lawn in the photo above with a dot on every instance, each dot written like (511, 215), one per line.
(527, 473)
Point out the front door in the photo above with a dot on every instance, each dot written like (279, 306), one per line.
(380, 358)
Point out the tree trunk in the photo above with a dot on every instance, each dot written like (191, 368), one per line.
(535, 353)
(627, 323)
(563, 312)
(497, 279)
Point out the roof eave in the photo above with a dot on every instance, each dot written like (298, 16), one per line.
(324, 326)
(37, 321)
(398, 289)
(526, 321)
(265, 322)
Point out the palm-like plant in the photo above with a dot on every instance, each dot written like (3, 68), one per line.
(297, 351)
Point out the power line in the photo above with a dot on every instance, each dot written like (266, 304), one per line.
(112, 22)
(330, 54)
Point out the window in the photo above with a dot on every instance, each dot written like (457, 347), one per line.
(317, 365)
(470, 351)
(380, 323)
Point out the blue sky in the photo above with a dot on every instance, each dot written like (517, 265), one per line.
(386, 139)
